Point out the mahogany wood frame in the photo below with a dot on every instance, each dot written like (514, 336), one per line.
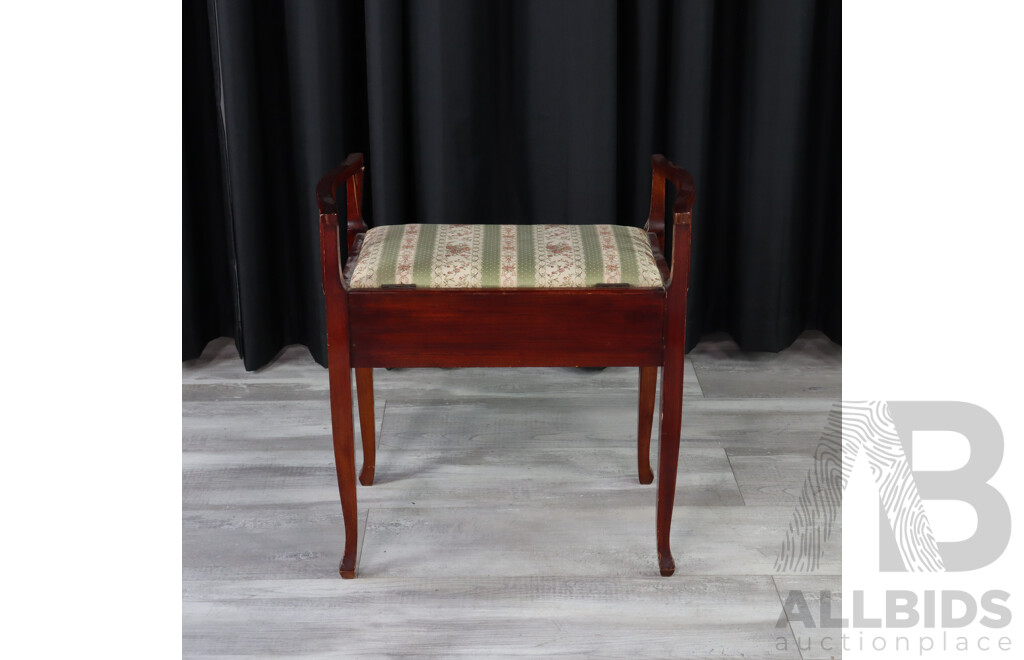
(409, 327)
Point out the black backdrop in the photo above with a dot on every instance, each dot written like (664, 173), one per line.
(514, 111)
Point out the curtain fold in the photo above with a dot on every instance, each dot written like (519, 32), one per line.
(511, 112)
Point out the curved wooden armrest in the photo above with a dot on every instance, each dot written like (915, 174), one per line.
(663, 169)
(350, 173)
(686, 191)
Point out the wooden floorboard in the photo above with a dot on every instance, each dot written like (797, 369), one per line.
(601, 536)
(486, 617)
(506, 518)
(771, 477)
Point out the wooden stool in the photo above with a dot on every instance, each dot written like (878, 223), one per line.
(505, 296)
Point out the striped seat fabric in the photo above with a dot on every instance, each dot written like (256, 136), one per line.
(505, 256)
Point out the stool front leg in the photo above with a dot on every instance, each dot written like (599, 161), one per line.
(344, 456)
(668, 459)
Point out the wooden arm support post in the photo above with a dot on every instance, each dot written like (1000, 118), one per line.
(338, 356)
(675, 337)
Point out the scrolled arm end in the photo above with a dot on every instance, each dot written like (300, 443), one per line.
(662, 169)
(327, 187)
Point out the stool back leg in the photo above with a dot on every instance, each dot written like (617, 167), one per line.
(364, 393)
(645, 417)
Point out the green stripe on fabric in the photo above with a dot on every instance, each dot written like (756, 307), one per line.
(627, 255)
(490, 269)
(524, 247)
(390, 243)
(593, 262)
(422, 265)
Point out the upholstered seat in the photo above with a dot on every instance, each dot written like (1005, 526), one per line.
(505, 256)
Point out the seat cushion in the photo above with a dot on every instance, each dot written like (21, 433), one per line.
(505, 256)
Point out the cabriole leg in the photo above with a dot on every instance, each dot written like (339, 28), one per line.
(668, 459)
(344, 456)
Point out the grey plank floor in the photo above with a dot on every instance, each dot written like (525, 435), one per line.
(506, 518)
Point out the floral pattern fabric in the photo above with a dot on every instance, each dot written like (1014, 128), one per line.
(505, 256)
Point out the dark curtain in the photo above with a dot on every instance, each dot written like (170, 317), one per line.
(511, 111)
